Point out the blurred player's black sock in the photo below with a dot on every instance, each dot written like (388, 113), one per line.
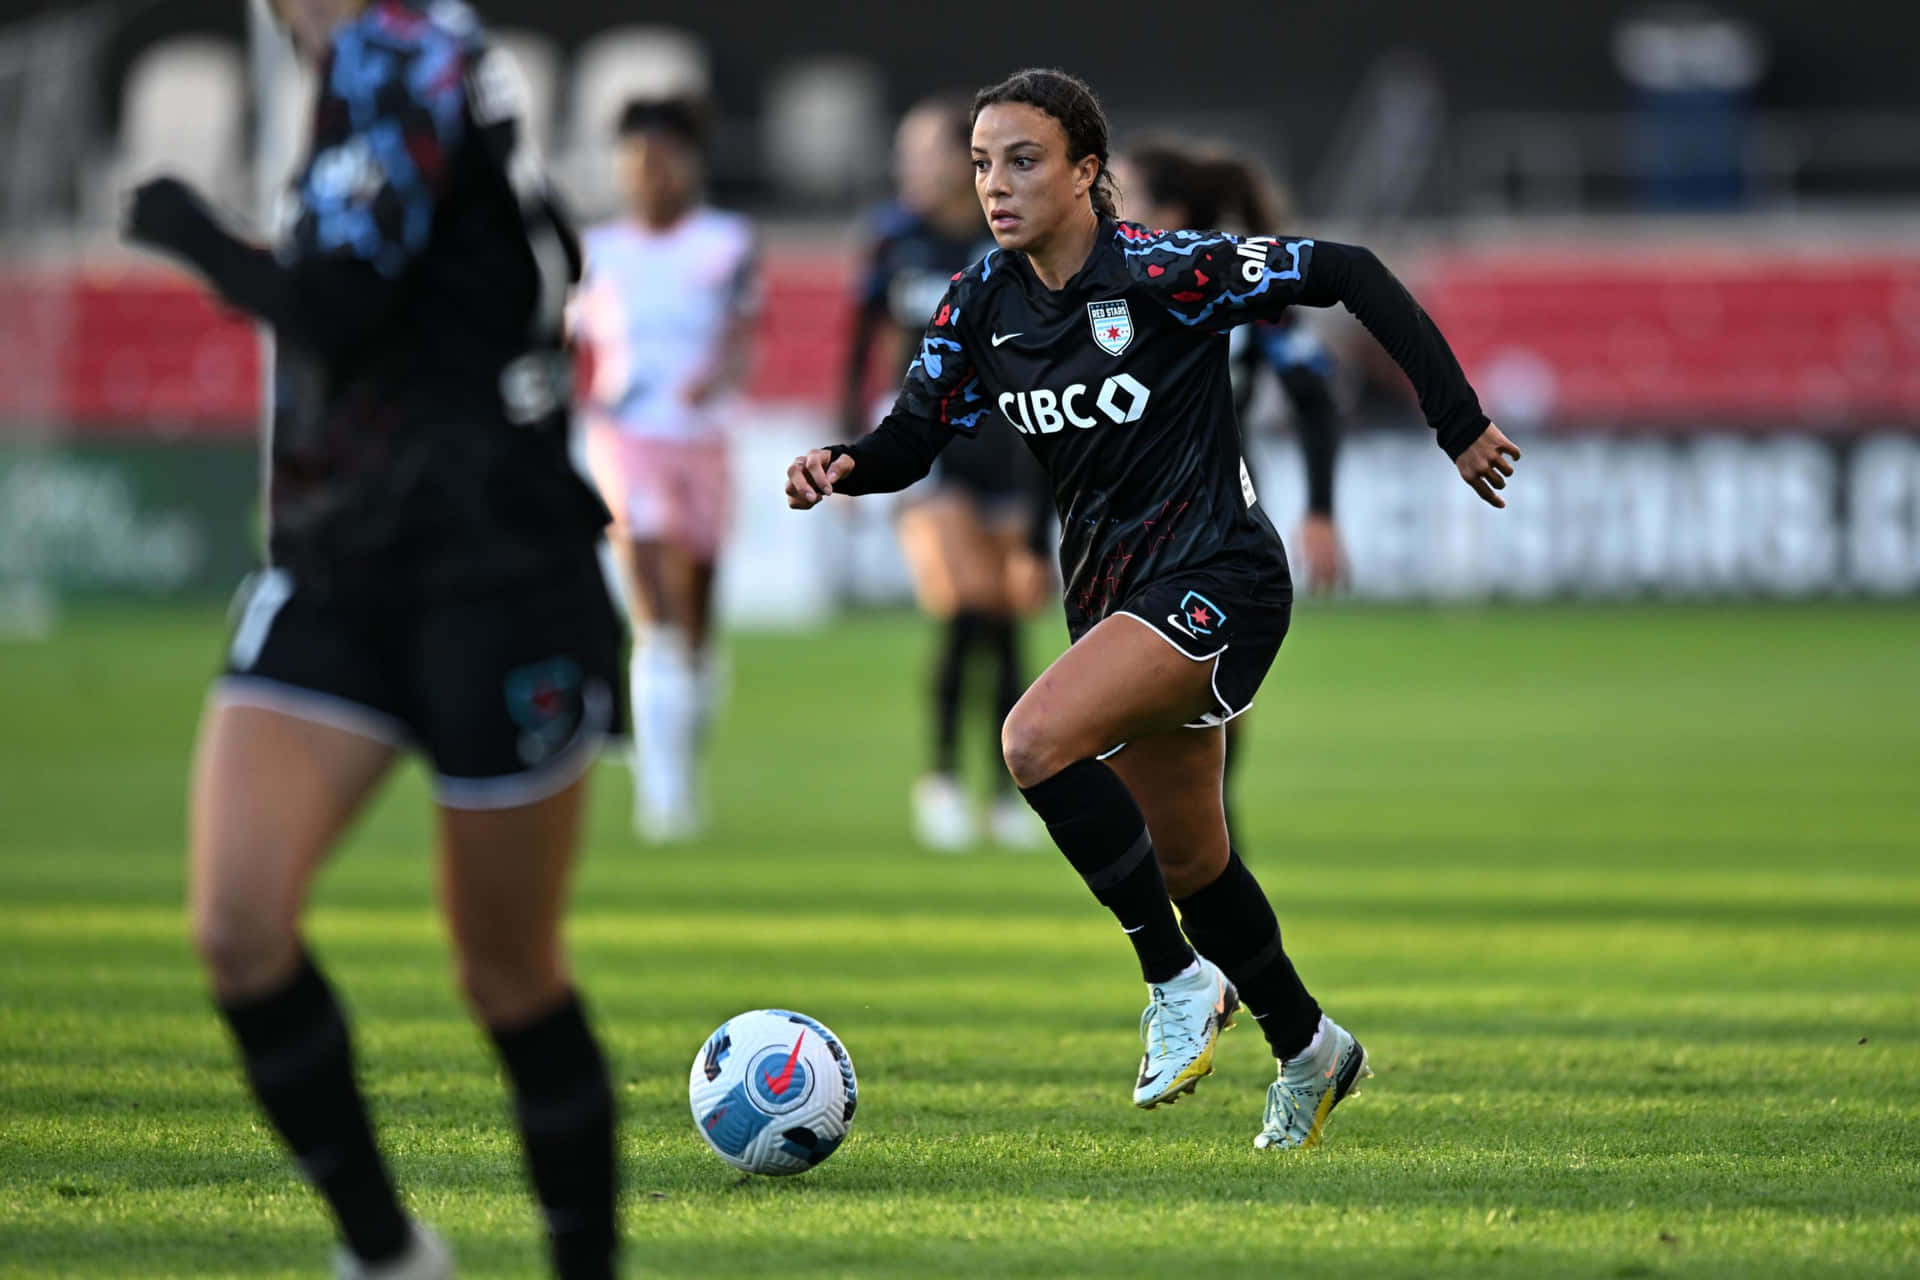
(299, 1058)
(1003, 640)
(564, 1103)
(964, 630)
(1092, 817)
(1232, 924)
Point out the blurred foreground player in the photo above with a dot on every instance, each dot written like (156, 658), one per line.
(974, 531)
(668, 308)
(1105, 343)
(433, 586)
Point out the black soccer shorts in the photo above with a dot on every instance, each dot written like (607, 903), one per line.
(508, 696)
(1235, 623)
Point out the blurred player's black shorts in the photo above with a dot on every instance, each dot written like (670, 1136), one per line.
(509, 696)
(1235, 623)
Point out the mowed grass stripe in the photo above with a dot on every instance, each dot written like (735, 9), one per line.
(1614, 896)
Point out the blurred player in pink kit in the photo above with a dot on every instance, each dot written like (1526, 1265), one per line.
(667, 310)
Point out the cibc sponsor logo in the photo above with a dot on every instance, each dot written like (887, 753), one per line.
(1121, 399)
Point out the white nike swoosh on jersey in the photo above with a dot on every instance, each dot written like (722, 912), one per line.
(999, 338)
(1137, 928)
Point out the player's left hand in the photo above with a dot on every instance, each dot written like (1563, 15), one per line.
(1320, 547)
(162, 213)
(1487, 463)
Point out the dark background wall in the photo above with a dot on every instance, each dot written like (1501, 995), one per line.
(1298, 61)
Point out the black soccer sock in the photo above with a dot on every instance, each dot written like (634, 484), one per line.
(1003, 640)
(299, 1059)
(1092, 817)
(950, 677)
(1232, 924)
(564, 1103)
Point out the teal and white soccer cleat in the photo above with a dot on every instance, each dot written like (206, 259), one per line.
(1310, 1087)
(427, 1258)
(1182, 1021)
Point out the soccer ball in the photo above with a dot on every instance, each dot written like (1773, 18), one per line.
(772, 1092)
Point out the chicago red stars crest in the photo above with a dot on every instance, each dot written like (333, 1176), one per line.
(1112, 325)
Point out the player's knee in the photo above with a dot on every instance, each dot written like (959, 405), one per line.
(1032, 750)
(1190, 866)
(508, 990)
(243, 950)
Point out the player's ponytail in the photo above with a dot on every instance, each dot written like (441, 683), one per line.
(1068, 100)
(1214, 187)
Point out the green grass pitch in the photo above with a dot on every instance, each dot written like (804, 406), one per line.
(1625, 904)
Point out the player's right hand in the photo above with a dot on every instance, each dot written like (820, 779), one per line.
(812, 476)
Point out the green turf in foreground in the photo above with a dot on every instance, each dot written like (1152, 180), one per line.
(1625, 904)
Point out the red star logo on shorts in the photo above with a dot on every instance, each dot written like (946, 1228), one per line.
(1200, 616)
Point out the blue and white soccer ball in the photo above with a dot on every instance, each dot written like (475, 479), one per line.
(773, 1092)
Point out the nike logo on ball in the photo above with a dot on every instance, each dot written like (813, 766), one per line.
(999, 338)
(777, 1085)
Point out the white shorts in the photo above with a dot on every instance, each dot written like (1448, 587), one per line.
(677, 491)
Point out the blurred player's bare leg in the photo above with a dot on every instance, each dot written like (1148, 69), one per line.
(957, 579)
(271, 795)
(505, 876)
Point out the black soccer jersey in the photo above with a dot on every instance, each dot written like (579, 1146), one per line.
(1119, 384)
(426, 445)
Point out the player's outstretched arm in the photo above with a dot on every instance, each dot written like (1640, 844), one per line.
(326, 305)
(1356, 278)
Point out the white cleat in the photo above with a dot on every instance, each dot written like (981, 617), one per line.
(942, 819)
(1310, 1087)
(1178, 1030)
(427, 1258)
(1014, 826)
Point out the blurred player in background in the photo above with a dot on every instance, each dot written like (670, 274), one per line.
(434, 586)
(975, 532)
(1166, 182)
(668, 309)
(1104, 342)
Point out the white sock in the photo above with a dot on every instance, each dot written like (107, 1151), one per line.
(663, 713)
(1313, 1045)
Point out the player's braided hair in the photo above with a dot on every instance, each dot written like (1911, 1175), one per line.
(1068, 100)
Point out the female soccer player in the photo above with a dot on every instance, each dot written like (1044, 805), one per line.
(975, 531)
(1104, 343)
(668, 308)
(433, 586)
